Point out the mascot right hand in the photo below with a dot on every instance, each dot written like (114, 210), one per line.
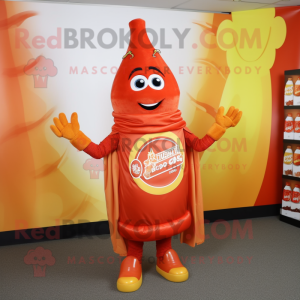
(70, 131)
(63, 128)
(231, 119)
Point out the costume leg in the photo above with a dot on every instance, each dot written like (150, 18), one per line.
(162, 246)
(130, 277)
(168, 263)
(135, 248)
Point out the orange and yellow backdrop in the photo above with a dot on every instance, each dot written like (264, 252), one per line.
(53, 58)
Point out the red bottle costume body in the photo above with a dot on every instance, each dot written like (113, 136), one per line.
(139, 209)
(152, 172)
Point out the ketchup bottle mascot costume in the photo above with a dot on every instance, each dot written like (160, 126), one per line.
(152, 172)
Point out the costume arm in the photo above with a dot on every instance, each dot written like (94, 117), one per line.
(231, 119)
(79, 140)
(108, 145)
(198, 144)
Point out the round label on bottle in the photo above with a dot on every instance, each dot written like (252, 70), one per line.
(288, 158)
(289, 89)
(287, 195)
(296, 197)
(297, 90)
(297, 126)
(296, 159)
(288, 126)
(156, 162)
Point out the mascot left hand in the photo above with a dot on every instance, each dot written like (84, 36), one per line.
(70, 131)
(231, 119)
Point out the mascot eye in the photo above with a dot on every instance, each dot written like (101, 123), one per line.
(156, 82)
(138, 83)
(45, 68)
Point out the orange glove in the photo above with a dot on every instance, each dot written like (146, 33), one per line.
(231, 119)
(70, 131)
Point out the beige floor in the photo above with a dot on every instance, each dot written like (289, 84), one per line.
(268, 268)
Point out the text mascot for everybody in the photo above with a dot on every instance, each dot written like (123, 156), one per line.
(152, 172)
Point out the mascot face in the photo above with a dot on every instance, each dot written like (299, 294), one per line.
(144, 84)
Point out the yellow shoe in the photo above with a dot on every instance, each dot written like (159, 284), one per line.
(171, 268)
(130, 277)
(128, 284)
